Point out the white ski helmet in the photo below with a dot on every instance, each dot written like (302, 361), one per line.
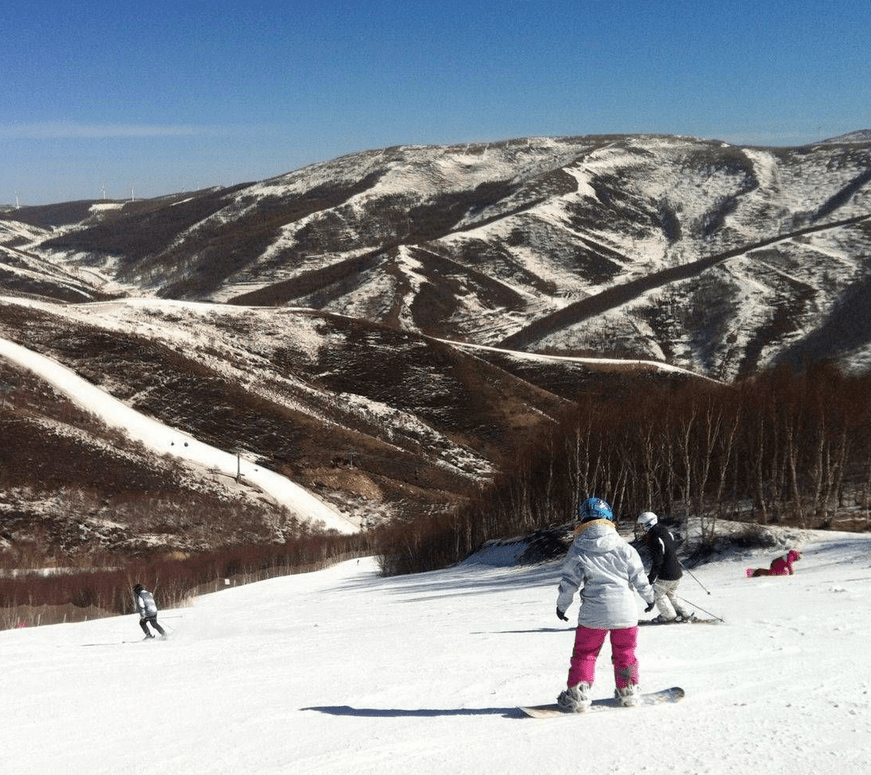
(647, 520)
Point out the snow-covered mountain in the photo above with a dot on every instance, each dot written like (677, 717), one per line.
(717, 258)
(386, 328)
(376, 423)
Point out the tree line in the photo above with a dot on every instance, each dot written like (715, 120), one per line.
(29, 598)
(783, 447)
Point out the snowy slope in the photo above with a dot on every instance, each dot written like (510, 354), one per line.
(299, 391)
(169, 441)
(342, 671)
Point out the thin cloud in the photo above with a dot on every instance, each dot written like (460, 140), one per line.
(65, 130)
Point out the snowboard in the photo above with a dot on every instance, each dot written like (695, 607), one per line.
(674, 694)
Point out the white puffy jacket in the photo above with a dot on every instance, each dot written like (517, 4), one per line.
(605, 569)
(146, 605)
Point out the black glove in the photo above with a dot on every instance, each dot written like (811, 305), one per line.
(650, 607)
(561, 614)
(651, 577)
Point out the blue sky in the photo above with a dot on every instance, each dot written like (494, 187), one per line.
(160, 97)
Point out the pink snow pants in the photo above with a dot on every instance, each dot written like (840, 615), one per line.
(588, 643)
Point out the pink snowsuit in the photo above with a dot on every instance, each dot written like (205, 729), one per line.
(588, 643)
(782, 566)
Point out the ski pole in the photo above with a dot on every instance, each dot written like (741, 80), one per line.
(694, 577)
(701, 609)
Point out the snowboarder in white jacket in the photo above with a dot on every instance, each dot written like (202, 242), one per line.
(147, 611)
(605, 569)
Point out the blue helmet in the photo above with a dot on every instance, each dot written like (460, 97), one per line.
(595, 508)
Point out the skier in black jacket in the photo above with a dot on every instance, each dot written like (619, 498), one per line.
(665, 572)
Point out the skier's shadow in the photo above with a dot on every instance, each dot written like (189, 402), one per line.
(347, 710)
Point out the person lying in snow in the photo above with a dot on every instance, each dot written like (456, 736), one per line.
(781, 566)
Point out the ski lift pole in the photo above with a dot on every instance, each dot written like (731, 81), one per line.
(694, 577)
(700, 608)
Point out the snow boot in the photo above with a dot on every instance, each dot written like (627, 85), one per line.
(628, 696)
(576, 698)
(687, 618)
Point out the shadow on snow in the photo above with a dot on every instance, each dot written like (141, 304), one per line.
(347, 710)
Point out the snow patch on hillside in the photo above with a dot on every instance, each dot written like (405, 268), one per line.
(163, 439)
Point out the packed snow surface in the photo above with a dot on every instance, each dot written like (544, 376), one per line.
(342, 671)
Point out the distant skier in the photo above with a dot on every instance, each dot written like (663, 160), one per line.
(780, 566)
(605, 569)
(665, 572)
(147, 611)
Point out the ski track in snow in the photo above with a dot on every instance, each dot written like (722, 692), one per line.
(163, 439)
(342, 671)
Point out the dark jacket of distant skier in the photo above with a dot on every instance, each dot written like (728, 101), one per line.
(663, 555)
(665, 570)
